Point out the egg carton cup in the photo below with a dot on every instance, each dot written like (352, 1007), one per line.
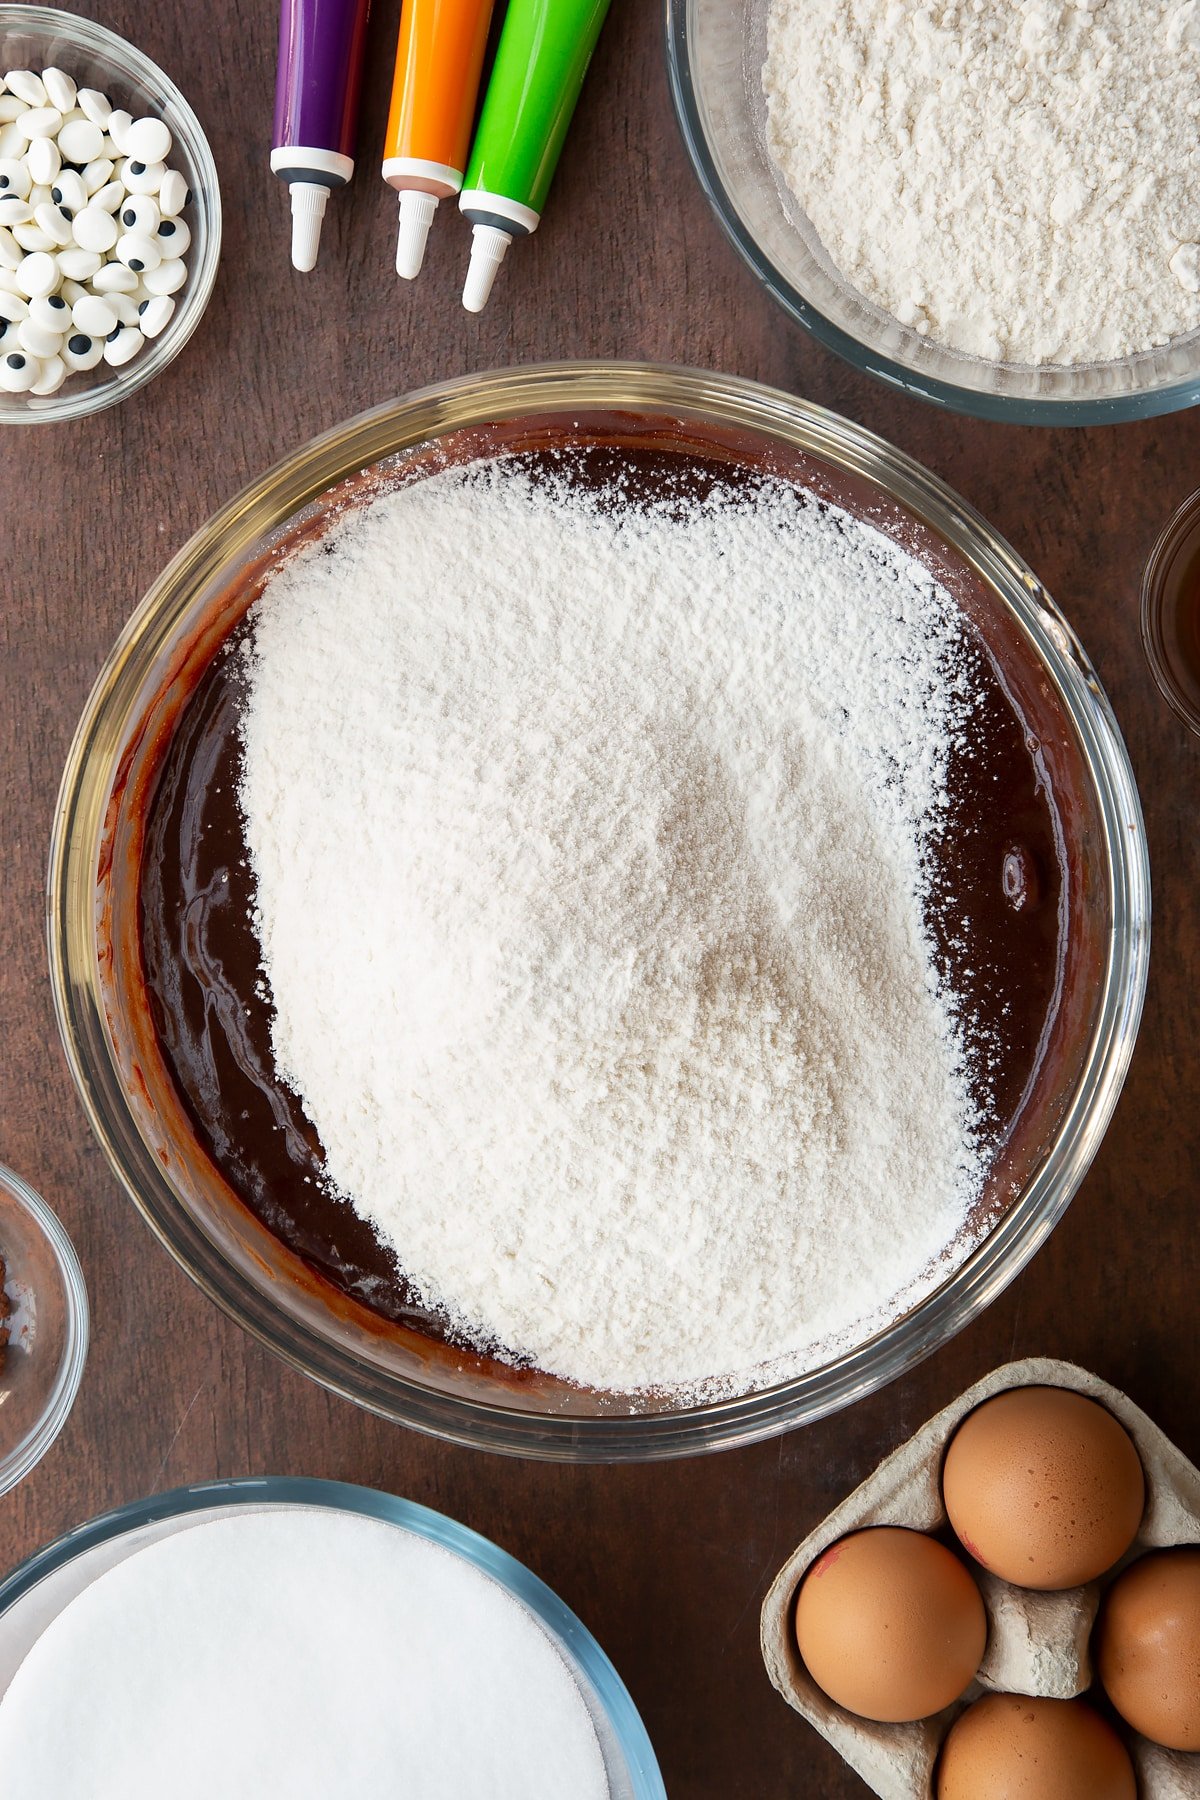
(1037, 1642)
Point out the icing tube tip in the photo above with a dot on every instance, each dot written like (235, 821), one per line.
(308, 210)
(489, 246)
(416, 216)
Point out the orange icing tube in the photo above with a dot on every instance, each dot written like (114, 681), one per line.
(439, 60)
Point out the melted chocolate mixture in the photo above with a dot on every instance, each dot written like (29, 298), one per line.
(996, 917)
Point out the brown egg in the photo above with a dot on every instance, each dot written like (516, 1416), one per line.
(890, 1624)
(1009, 1747)
(1148, 1647)
(1043, 1487)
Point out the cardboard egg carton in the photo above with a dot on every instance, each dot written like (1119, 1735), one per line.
(1037, 1642)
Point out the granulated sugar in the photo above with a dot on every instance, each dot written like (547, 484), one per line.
(590, 841)
(1015, 178)
(296, 1653)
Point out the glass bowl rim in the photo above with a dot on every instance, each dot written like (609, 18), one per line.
(81, 403)
(563, 1626)
(25, 1455)
(1171, 397)
(626, 387)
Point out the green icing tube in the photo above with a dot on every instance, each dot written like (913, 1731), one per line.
(541, 60)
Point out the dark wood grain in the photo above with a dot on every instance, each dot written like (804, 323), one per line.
(667, 1565)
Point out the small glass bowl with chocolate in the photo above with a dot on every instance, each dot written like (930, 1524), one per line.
(1171, 612)
(43, 1328)
(254, 1230)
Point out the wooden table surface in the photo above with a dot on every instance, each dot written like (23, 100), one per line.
(667, 1565)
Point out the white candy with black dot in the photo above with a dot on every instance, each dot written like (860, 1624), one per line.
(141, 177)
(139, 212)
(69, 191)
(139, 252)
(54, 222)
(174, 237)
(123, 345)
(15, 178)
(115, 278)
(81, 352)
(52, 311)
(155, 315)
(18, 371)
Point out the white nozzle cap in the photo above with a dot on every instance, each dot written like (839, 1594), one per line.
(489, 246)
(416, 216)
(308, 210)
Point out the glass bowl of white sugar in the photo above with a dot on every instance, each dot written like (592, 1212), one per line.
(439, 1653)
(667, 1184)
(979, 208)
(34, 38)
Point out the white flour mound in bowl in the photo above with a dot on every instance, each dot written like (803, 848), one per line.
(296, 1653)
(1018, 179)
(591, 841)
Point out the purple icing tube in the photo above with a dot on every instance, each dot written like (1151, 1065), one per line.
(321, 45)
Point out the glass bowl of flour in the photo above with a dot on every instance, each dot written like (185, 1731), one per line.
(599, 911)
(978, 205)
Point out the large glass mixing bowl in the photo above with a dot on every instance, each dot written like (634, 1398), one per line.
(715, 55)
(94, 929)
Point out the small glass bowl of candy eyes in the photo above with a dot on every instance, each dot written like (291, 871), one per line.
(104, 272)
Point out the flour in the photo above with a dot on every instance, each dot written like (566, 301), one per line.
(590, 842)
(1018, 179)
